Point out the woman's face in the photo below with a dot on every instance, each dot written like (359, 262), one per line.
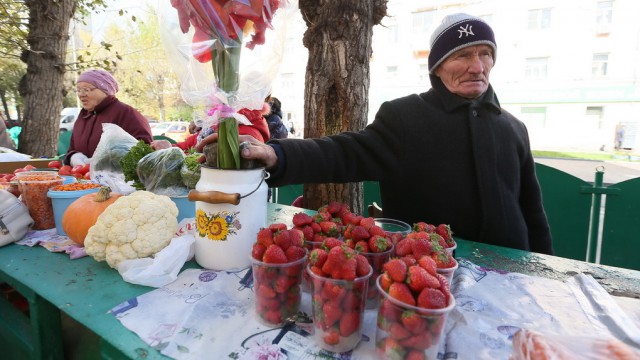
(89, 95)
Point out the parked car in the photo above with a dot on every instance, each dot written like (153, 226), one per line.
(176, 130)
(68, 118)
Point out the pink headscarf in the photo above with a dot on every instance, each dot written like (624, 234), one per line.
(100, 79)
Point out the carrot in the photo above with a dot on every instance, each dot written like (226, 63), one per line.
(34, 195)
(75, 187)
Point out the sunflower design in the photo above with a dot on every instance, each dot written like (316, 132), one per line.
(218, 226)
(202, 222)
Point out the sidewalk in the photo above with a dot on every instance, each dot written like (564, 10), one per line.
(614, 171)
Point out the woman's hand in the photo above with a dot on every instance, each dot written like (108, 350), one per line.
(256, 150)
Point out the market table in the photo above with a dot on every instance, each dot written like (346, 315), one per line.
(86, 290)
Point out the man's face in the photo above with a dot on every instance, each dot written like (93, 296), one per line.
(466, 71)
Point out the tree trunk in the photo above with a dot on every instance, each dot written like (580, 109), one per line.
(42, 86)
(336, 92)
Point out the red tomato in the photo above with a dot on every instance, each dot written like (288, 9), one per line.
(9, 177)
(87, 176)
(19, 170)
(29, 167)
(55, 164)
(65, 170)
(77, 169)
(85, 169)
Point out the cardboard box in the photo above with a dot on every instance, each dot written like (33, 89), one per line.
(7, 167)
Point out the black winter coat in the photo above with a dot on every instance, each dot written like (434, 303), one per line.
(439, 158)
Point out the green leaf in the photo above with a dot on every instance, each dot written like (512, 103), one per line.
(228, 144)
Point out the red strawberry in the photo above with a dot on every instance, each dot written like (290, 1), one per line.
(444, 287)
(265, 236)
(415, 355)
(301, 219)
(409, 260)
(322, 216)
(334, 207)
(362, 246)
(443, 259)
(385, 281)
(331, 242)
(332, 312)
(282, 238)
(274, 255)
(367, 223)
(273, 316)
(398, 332)
(419, 341)
(428, 264)
(359, 233)
(377, 230)
(316, 227)
(297, 237)
(418, 278)
(413, 321)
(421, 247)
(401, 292)
(277, 227)
(318, 271)
(264, 291)
(396, 269)
(389, 312)
(349, 323)
(257, 251)
(350, 218)
(403, 247)
(331, 337)
(444, 230)
(391, 349)
(423, 226)
(334, 292)
(283, 283)
(378, 244)
(432, 299)
(294, 253)
(307, 231)
(330, 228)
(317, 257)
(363, 266)
(437, 239)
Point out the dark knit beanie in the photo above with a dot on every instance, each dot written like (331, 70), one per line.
(456, 32)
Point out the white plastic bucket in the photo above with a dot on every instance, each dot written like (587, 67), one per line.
(231, 207)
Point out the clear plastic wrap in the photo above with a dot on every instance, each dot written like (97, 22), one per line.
(531, 345)
(160, 172)
(220, 68)
(114, 144)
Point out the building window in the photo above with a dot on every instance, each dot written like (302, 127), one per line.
(595, 116)
(534, 116)
(539, 19)
(536, 68)
(599, 65)
(604, 13)
(423, 21)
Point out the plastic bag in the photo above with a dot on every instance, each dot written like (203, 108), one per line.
(163, 268)
(114, 144)
(531, 345)
(160, 172)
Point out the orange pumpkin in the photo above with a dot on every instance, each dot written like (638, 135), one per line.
(83, 213)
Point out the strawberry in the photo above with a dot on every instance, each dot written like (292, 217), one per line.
(431, 299)
(264, 291)
(297, 237)
(378, 244)
(421, 247)
(322, 216)
(362, 267)
(385, 281)
(275, 227)
(367, 223)
(331, 337)
(307, 232)
(350, 218)
(359, 233)
(331, 242)
(444, 230)
(415, 355)
(410, 260)
(377, 230)
(317, 257)
(301, 219)
(428, 264)
(282, 238)
(418, 278)
(401, 292)
(413, 321)
(403, 247)
(294, 253)
(398, 332)
(362, 246)
(332, 312)
(334, 207)
(318, 238)
(419, 341)
(265, 237)
(318, 271)
(274, 255)
(330, 228)
(391, 349)
(283, 283)
(444, 287)
(396, 269)
(316, 227)
(423, 226)
(349, 323)
(333, 291)
(257, 251)
(435, 238)
(443, 259)
(273, 316)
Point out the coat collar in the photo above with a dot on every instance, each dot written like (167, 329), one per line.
(100, 107)
(451, 101)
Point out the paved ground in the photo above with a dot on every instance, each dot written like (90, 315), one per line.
(614, 171)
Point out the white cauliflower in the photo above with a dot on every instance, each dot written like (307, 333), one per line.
(134, 226)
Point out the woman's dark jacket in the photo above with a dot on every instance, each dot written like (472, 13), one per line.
(439, 158)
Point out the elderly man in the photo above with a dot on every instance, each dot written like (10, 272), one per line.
(449, 155)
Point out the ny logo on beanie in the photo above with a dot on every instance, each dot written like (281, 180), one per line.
(467, 30)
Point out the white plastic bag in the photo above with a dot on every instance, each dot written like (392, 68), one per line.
(105, 163)
(161, 269)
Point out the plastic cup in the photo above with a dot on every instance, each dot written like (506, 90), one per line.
(448, 272)
(376, 260)
(393, 226)
(277, 290)
(399, 338)
(453, 248)
(60, 201)
(34, 191)
(338, 311)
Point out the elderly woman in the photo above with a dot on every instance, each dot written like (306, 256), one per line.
(96, 90)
